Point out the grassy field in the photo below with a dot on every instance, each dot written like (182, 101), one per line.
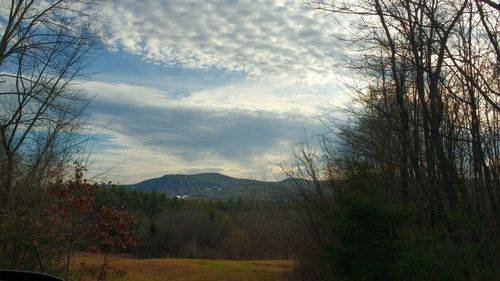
(192, 269)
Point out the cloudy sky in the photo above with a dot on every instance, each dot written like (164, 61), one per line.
(210, 86)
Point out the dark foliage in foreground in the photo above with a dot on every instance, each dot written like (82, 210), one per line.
(418, 154)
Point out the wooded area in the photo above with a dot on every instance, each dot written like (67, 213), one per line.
(193, 228)
(406, 186)
(46, 205)
(413, 172)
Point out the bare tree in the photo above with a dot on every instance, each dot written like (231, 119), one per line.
(45, 46)
(427, 124)
(433, 67)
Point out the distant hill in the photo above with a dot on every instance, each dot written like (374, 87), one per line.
(212, 186)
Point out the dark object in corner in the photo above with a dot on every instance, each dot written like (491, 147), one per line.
(16, 275)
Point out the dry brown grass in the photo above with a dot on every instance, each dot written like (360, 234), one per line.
(191, 269)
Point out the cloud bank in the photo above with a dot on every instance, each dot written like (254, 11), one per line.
(261, 38)
(242, 80)
(147, 132)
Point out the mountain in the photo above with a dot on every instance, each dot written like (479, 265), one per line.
(211, 186)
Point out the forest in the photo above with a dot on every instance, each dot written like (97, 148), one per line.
(414, 168)
(195, 228)
(404, 185)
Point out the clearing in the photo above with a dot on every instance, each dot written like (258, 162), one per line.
(191, 269)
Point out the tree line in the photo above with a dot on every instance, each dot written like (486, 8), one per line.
(47, 208)
(190, 228)
(407, 185)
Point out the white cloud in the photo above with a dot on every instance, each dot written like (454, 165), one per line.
(127, 93)
(309, 100)
(271, 96)
(133, 162)
(147, 132)
(282, 50)
(262, 38)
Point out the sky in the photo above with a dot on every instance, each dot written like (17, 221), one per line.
(210, 86)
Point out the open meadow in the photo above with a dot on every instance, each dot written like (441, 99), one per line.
(131, 269)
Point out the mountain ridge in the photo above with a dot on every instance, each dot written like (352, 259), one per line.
(210, 186)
